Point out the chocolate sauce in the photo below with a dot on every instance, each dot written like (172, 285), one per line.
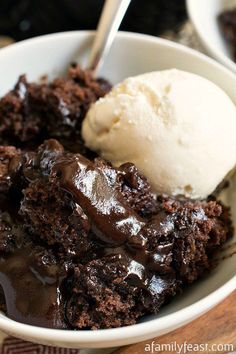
(112, 220)
(94, 190)
(32, 291)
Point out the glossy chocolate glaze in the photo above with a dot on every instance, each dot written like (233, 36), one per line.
(32, 291)
(112, 220)
(95, 191)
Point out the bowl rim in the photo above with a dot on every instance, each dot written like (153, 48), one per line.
(124, 35)
(121, 333)
(137, 331)
(212, 49)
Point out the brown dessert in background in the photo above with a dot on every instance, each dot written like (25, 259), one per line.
(227, 21)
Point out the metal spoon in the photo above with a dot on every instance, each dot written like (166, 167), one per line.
(112, 14)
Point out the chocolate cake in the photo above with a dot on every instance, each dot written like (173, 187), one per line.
(33, 112)
(227, 21)
(84, 245)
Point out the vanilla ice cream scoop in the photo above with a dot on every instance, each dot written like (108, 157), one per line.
(178, 128)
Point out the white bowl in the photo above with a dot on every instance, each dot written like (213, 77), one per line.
(131, 54)
(203, 15)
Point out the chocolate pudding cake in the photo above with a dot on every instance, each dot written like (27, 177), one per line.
(84, 245)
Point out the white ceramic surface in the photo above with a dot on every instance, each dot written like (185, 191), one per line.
(131, 54)
(203, 14)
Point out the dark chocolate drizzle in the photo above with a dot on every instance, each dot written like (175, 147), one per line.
(112, 220)
(32, 291)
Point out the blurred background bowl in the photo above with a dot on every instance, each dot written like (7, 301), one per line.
(203, 15)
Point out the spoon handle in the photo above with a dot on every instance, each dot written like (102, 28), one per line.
(111, 17)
